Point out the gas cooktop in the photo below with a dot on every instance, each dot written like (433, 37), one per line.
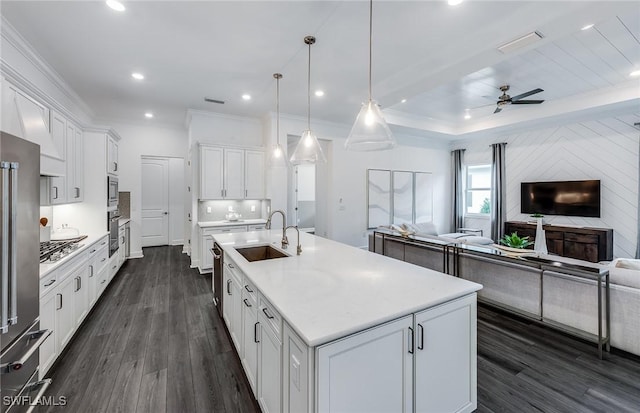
(52, 251)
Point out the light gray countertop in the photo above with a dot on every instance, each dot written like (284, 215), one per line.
(46, 268)
(225, 223)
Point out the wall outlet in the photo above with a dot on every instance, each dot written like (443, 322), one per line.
(253, 208)
(208, 210)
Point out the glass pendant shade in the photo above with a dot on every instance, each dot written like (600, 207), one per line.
(308, 150)
(370, 131)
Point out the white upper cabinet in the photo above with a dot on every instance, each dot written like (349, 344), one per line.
(254, 175)
(231, 173)
(234, 173)
(211, 172)
(58, 184)
(75, 163)
(112, 156)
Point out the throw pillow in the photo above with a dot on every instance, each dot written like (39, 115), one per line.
(477, 240)
(427, 228)
(628, 264)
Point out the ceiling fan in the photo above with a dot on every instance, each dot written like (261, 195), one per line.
(516, 100)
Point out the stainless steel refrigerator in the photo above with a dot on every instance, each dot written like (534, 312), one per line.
(20, 335)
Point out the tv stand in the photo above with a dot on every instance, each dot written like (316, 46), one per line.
(583, 243)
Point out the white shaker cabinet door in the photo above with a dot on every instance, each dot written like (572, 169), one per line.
(65, 312)
(211, 172)
(250, 341)
(446, 357)
(269, 368)
(371, 371)
(254, 175)
(48, 352)
(234, 173)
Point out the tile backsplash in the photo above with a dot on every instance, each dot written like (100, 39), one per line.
(248, 208)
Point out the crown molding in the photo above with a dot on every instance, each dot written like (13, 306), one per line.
(14, 38)
(103, 129)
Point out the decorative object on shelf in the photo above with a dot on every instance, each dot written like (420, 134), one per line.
(277, 158)
(370, 131)
(515, 241)
(308, 150)
(541, 238)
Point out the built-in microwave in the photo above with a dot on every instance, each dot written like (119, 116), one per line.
(112, 192)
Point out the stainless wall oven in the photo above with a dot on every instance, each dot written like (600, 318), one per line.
(112, 192)
(113, 218)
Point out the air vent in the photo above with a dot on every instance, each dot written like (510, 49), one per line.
(219, 102)
(520, 42)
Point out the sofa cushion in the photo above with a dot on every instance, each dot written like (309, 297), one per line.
(624, 276)
(421, 228)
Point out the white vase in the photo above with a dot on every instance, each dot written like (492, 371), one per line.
(540, 244)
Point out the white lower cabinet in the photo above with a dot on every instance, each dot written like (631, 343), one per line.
(67, 294)
(206, 243)
(251, 339)
(269, 366)
(232, 308)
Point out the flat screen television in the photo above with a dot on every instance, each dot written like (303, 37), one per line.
(571, 198)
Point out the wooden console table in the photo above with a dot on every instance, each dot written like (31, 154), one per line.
(585, 243)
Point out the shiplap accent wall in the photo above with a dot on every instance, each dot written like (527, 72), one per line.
(604, 149)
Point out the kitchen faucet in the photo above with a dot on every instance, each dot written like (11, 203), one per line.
(299, 249)
(285, 241)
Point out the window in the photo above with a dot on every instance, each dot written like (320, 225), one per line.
(478, 192)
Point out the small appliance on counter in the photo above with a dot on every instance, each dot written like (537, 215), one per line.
(233, 216)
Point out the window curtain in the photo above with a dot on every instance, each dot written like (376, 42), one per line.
(638, 224)
(457, 220)
(498, 191)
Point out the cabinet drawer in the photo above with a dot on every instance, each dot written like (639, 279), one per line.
(223, 230)
(258, 227)
(233, 269)
(49, 283)
(101, 259)
(249, 291)
(585, 238)
(274, 320)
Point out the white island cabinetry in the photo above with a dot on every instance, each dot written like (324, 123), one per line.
(326, 342)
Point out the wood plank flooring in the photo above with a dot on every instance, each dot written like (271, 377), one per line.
(154, 343)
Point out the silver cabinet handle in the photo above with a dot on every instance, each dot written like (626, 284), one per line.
(231, 265)
(60, 305)
(222, 193)
(215, 256)
(77, 285)
(13, 236)
(228, 286)
(114, 267)
(92, 251)
(103, 281)
(40, 336)
(246, 287)
(255, 332)
(421, 345)
(4, 263)
(411, 341)
(246, 303)
(269, 316)
(56, 196)
(246, 193)
(91, 273)
(77, 192)
(115, 166)
(49, 283)
(103, 243)
(103, 260)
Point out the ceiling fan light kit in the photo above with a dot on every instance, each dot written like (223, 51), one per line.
(370, 131)
(308, 150)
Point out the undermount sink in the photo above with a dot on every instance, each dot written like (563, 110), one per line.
(260, 253)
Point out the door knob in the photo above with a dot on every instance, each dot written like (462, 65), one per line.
(165, 213)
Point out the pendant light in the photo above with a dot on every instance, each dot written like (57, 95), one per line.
(370, 131)
(308, 150)
(277, 154)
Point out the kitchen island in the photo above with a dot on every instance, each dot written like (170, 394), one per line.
(341, 329)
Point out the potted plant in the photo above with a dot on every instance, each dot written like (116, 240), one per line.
(515, 241)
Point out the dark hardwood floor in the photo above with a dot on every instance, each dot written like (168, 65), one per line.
(154, 343)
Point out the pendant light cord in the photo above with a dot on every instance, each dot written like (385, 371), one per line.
(278, 110)
(309, 91)
(370, 41)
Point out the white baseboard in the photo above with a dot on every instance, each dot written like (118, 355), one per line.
(136, 254)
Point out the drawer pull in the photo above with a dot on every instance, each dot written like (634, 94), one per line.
(246, 287)
(103, 260)
(92, 251)
(269, 316)
(49, 283)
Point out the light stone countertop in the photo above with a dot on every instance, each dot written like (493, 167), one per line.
(91, 239)
(333, 290)
(225, 223)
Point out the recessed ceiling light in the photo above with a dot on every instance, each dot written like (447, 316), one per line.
(148, 115)
(635, 73)
(246, 97)
(137, 76)
(319, 93)
(467, 116)
(454, 2)
(403, 101)
(587, 27)
(115, 5)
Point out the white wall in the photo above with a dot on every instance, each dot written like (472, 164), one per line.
(604, 149)
(146, 140)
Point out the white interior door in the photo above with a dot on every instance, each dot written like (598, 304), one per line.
(155, 202)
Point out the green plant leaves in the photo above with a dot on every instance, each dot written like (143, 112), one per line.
(514, 241)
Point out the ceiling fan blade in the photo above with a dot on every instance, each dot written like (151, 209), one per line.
(498, 109)
(525, 94)
(526, 102)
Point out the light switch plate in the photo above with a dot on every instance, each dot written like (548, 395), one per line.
(208, 210)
